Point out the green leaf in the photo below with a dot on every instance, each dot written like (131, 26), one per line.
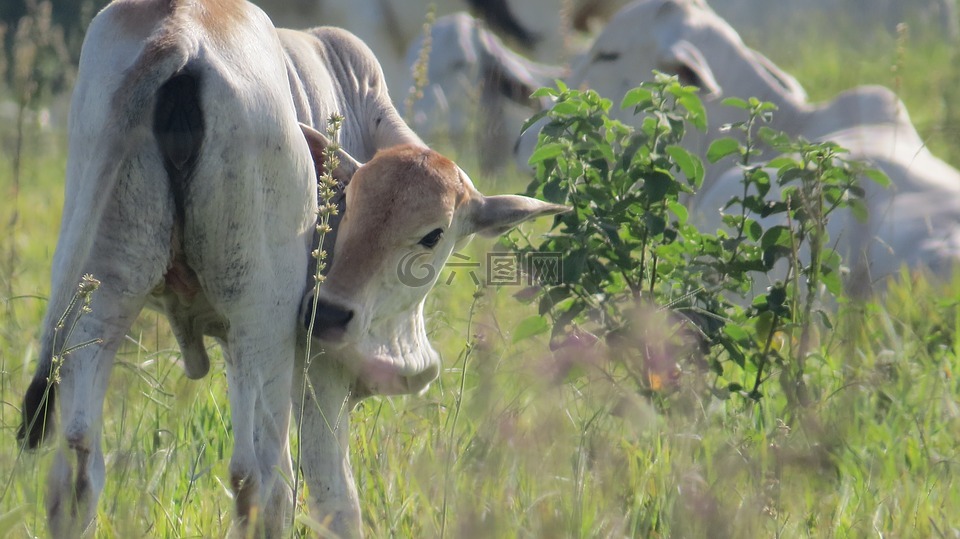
(574, 264)
(776, 236)
(546, 151)
(698, 115)
(654, 223)
(554, 192)
(778, 139)
(565, 108)
(690, 164)
(530, 326)
(879, 177)
(657, 185)
(532, 120)
(679, 210)
(825, 319)
(753, 229)
(545, 92)
(859, 209)
(833, 282)
(721, 148)
(736, 332)
(783, 161)
(635, 97)
(735, 102)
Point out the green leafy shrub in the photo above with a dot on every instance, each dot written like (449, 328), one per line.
(654, 294)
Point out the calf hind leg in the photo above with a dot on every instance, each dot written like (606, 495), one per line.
(78, 475)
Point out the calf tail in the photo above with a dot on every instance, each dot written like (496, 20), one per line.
(38, 407)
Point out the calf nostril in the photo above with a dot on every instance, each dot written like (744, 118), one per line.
(333, 315)
(330, 321)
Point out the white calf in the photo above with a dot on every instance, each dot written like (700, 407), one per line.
(190, 189)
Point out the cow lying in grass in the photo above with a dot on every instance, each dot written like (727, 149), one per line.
(474, 81)
(545, 30)
(190, 189)
(913, 222)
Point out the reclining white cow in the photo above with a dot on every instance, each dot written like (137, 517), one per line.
(190, 189)
(475, 84)
(915, 221)
(542, 28)
(473, 77)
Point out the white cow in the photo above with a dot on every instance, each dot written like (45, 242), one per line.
(544, 28)
(191, 190)
(686, 38)
(474, 84)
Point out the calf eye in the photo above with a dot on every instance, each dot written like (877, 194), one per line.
(430, 240)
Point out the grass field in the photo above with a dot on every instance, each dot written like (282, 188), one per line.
(507, 443)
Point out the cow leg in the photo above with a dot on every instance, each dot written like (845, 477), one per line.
(128, 256)
(322, 409)
(273, 448)
(259, 364)
(279, 500)
(77, 477)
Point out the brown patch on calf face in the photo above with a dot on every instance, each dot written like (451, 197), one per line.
(393, 200)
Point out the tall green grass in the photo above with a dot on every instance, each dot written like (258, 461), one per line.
(504, 444)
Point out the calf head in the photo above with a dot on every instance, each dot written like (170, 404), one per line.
(407, 210)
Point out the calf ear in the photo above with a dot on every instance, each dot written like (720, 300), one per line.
(318, 142)
(494, 215)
